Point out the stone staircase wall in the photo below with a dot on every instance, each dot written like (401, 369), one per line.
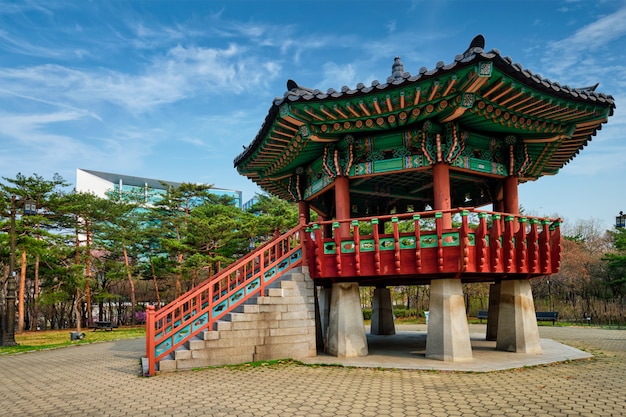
(279, 324)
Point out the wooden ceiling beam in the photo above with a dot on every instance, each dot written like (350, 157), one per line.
(494, 88)
(376, 106)
(451, 84)
(503, 93)
(416, 99)
(338, 110)
(280, 123)
(365, 110)
(433, 91)
(351, 110)
(513, 97)
(389, 105)
(327, 113)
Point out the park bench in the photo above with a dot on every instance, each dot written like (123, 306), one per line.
(552, 316)
(103, 325)
(482, 314)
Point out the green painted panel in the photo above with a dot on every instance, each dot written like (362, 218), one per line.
(368, 245)
(347, 246)
(450, 239)
(407, 242)
(388, 165)
(428, 241)
(387, 243)
(329, 248)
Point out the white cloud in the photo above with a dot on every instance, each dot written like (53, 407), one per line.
(181, 73)
(566, 53)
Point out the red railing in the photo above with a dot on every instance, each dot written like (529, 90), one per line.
(197, 310)
(417, 244)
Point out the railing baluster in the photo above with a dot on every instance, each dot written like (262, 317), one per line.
(357, 246)
(418, 242)
(495, 245)
(375, 232)
(463, 243)
(337, 236)
(555, 247)
(481, 244)
(439, 227)
(544, 247)
(396, 246)
(508, 245)
(319, 249)
(521, 246)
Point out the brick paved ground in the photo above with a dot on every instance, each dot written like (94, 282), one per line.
(103, 380)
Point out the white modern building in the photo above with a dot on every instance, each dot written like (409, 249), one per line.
(101, 183)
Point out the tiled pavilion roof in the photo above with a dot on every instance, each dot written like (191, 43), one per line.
(484, 92)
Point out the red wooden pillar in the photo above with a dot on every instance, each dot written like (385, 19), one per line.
(511, 199)
(304, 210)
(342, 204)
(441, 191)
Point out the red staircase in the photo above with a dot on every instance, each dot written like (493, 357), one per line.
(199, 309)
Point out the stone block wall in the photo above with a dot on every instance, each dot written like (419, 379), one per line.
(279, 324)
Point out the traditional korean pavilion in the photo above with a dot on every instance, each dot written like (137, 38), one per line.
(444, 141)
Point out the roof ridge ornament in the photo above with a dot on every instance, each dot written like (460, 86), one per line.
(397, 69)
(293, 86)
(477, 43)
(590, 89)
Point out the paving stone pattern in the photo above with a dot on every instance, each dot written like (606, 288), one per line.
(103, 380)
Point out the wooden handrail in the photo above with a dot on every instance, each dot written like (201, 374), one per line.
(198, 309)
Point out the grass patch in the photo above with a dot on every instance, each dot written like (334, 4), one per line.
(52, 339)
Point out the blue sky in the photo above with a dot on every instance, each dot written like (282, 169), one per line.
(174, 89)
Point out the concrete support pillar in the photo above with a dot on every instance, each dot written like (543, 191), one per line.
(323, 302)
(517, 324)
(382, 313)
(448, 332)
(346, 330)
(494, 312)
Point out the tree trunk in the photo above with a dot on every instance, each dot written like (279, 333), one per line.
(35, 321)
(133, 300)
(77, 315)
(156, 284)
(179, 275)
(88, 273)
(20, 297)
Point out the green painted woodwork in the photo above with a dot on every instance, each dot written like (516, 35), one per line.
(386, 243)
(329, 247)
(367, 245)
(407, 243)
(482, 115)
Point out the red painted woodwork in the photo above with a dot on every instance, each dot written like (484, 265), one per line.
(484, 247)
(342, 201)
(413, 248)
(441, 191)
(511, 199)
(197, 310)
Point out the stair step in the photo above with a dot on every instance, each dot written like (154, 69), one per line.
(245, 327)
